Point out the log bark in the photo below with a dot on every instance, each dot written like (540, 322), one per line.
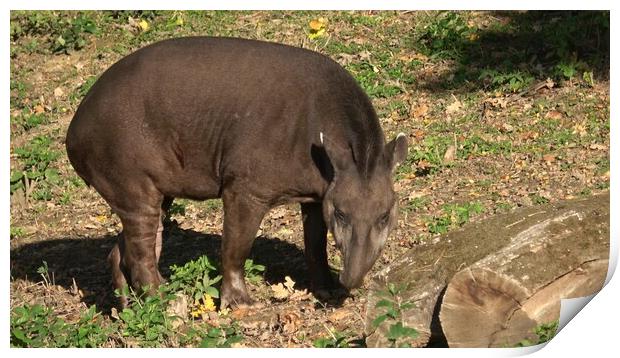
(425, 271)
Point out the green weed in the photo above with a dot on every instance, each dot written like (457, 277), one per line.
(195, 279)
(37, 326)
(16, 232)
(221, 337)
(545, 332)
(454, 215)
(253, 272)
(146, 320)
(335, 339)
(398, 334)
(35, 171)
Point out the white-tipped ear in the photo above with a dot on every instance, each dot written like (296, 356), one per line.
(396, 150)
(321, 137)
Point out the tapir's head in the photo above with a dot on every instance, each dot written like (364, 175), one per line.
(360, 206)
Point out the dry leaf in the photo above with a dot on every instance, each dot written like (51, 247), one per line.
(553, 115)
(144, 26)
(279, 291)
(58, 92)
(420, 111)
(454, 106)
(289, 321)
(300, 295)
(289, 283)
(598, 147)
(450, 154)
(339, 315)
(38, 109)
(549, 158)
(507, 127)
(178, 309)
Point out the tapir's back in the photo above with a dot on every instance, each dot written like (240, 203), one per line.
(200, 104)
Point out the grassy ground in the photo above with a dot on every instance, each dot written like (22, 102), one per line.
(502, 110)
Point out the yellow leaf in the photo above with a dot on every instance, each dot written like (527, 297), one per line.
(313, 35)
(279, 291)
(316, 25)
(179, 21)
(143, 25)
(208, 303)
(289, 283)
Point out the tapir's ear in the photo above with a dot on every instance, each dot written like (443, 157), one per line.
(396, 150)
(338, 158)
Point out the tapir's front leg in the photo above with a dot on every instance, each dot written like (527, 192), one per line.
(315, 247)
(242, 217)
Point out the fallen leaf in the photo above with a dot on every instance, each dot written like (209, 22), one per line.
(549, 158)
(289, 321)
(144, 26)
(598, 146)
(339, 315)
(178, 310)
(423, 164)
(300, 295)
(420, 111)
(450, 154)
(454, 106)
(317, 28)
(507, 127)
(38, 109)
(289, 283)
(279, 291)
(553, 115)
(58, 92)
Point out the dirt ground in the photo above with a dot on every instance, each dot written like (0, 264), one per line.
(475, 147)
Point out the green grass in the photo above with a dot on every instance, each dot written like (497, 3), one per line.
(146, 322)
(453, 216)
(35, 175)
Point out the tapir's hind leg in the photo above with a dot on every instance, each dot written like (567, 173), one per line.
(134, 259)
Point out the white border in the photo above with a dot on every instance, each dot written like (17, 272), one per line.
(592, 332)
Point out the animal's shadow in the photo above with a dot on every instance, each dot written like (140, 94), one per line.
(85, 261)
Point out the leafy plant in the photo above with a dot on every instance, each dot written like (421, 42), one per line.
(253, 272)
(393, 306)
(72, 37)
(16, 232)
(36, 158)
(545, 332)
(513, 81)
(221, 337)
(195, 279)
(177, 209)
(445, 34)
(146, 319)
(454, 215)
(37, 326)
(334, 340)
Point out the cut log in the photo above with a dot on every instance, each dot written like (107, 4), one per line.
(425, 271)
(499, 300)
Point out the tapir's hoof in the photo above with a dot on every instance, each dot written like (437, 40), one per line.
(237, 300)
(326, 294)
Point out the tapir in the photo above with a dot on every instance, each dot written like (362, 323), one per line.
(255, 123)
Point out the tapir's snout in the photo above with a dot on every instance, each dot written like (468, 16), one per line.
(350, 281)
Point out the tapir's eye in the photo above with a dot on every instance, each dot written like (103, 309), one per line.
(383, 219)
(340, 216)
